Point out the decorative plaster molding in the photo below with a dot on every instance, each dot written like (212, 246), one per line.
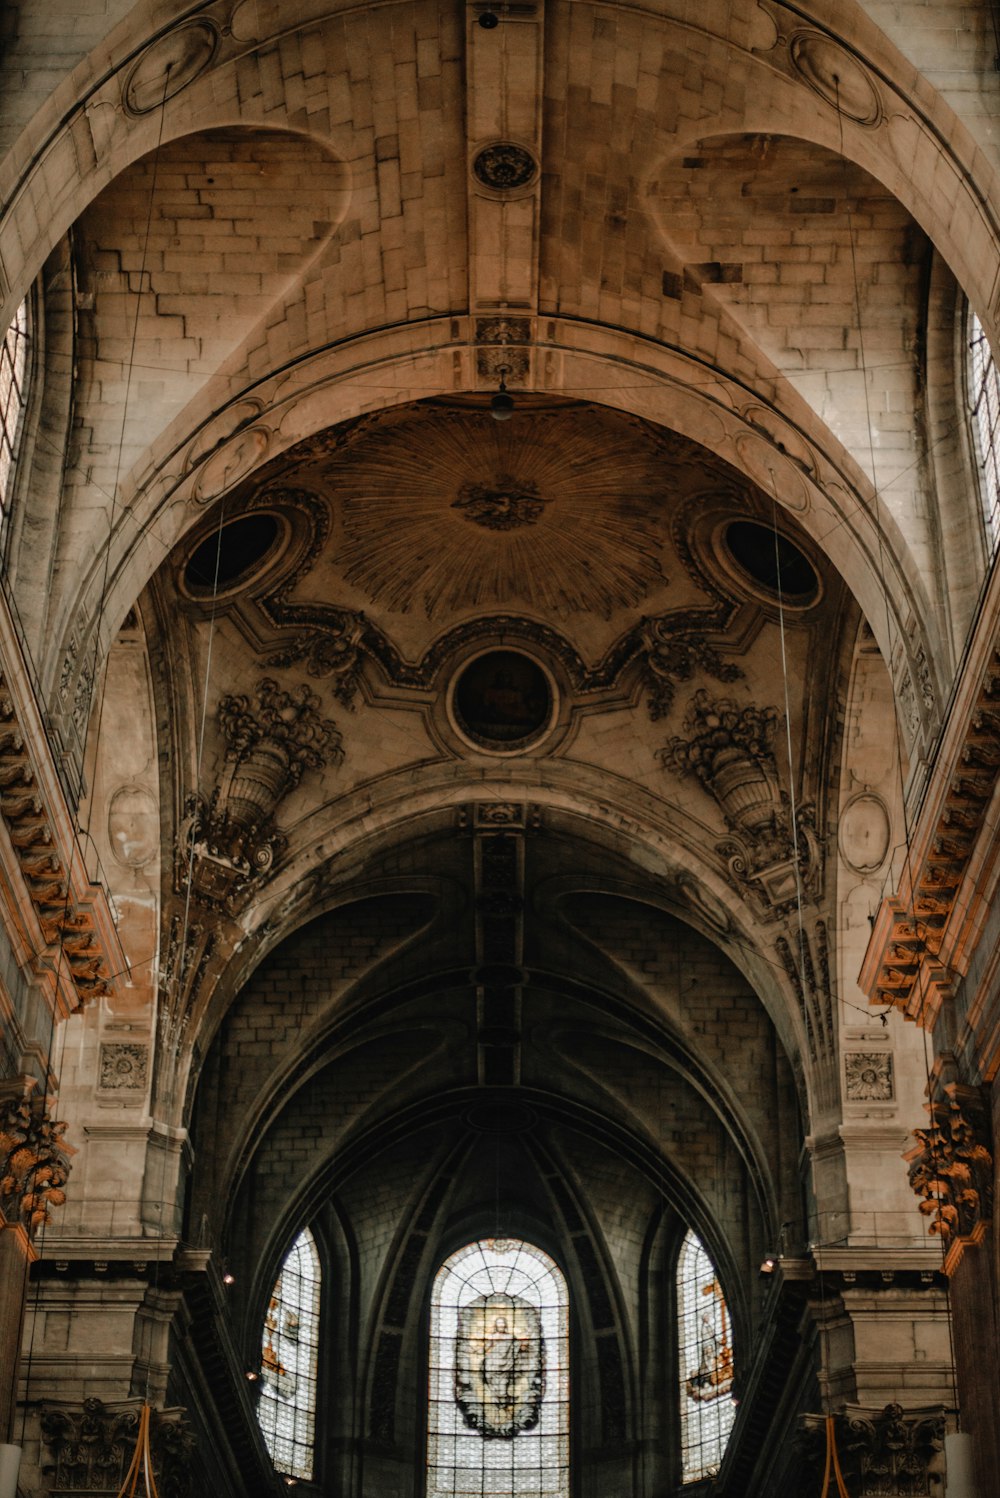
(869, 1077)
(124, 1066)
(903, 967)
(65, 920)
(504, 166)
(730, 749)
(673, 652)
(811, 982)
(230, 842)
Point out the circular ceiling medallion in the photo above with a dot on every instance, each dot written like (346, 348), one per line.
(504, 166)
(767, 468)
(772, 563)
(864, 833)
(505, 505)
(226, 559)
(133, 826)
(169, 65)
(502, 701)
(836, 76)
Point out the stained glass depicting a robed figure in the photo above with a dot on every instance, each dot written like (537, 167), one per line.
(498, 1422)
(500, 1365)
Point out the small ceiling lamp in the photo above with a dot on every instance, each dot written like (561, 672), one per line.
(502, 404)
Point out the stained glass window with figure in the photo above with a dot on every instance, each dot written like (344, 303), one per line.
(288, 1361)
(705, 1350)
(498, 1422)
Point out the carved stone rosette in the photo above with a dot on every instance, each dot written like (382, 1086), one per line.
(230, 841)
(34, 1160)
(90, 1448)
(889, 1452)
(951, 1167)
(731, 751)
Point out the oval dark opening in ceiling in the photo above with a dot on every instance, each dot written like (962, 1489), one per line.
(222, 560)
(772, 561)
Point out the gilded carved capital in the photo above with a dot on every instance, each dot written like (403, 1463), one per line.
(951, 1166)
(34, 1160)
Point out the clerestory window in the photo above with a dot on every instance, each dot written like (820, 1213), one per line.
(705, 1350)
(498, 1419)
(288, 1361)
(984, 399)
(13, 392)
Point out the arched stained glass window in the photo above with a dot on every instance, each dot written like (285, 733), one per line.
(13, 385)
(498, 1421)
(705, 1350)
(984, 396)
(288, 1359)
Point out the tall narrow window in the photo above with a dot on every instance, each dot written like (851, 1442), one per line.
(287, 1409)
(984, 396)
(498, 1421)
(13, 369)
(706, 1363)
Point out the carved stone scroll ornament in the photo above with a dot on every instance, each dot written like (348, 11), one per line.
(230, 841)
(332, 651)
(89, 1448)
(34, 1161)
(730, 749)
(672, 655)
(951, 1167)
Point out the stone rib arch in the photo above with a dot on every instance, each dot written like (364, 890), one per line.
(344, 828)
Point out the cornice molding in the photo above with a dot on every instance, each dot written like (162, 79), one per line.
(926, 932)
(63, 919)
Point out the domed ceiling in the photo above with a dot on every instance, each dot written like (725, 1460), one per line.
(398, 528)
(571, 589)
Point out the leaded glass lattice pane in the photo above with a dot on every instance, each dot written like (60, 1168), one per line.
(498, 1421)
(288, 1359)
(13, 364)
(705, 1349)
(984, 393)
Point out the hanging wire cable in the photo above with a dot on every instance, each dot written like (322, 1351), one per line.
(832, 1462)
(141, 1468)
